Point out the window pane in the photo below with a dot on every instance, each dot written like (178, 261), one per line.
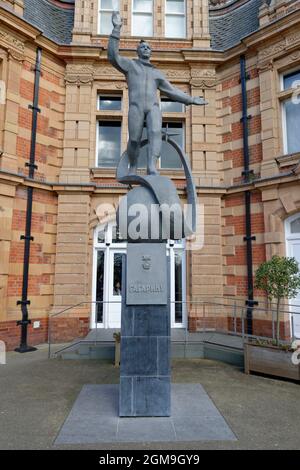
(99, 286)
(175, 6)
(290, 78)
(109, 144)
(170, 158)
(106, 5)
(142, 6)
(142, 25)
(295, 226)
(101, 236)
(292, 126)
(175, 26)
(116, 235)
(178, 287)
(171, 106)
(105, 23)
(117, 274)
(110, 103)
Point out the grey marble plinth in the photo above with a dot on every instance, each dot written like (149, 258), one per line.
(145, 376)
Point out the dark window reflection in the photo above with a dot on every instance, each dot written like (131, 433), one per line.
(109, 143)
(117, 274)
(100, 286)
(292, 126)
(290, 79)
(110, 103)
(168, 106)
(169, 156)
(178, 288)
(116, 237)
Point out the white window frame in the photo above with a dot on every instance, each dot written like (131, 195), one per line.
(133, 13)
(289, 237)
(283, 110)
(176, 14)
(173, 112)
(109, 95)
(100, 119)
(106, 246)
(104, 10)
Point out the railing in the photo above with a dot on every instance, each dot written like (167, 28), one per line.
(206, 319)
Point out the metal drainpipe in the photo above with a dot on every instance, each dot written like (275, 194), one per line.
(27, 237)
(250, 302)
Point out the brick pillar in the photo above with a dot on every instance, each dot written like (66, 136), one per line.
(72, 252)
(83, 21)
(200, 17)
(11, 70)
(205, 142)
(7, 194)
(269, 118)
(79, 107)
(205, 265)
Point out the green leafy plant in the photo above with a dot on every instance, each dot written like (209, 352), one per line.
(280, 279)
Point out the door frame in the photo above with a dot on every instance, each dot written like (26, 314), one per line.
(109, 247)
(290, 237)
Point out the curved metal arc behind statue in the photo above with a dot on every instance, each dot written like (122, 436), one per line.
(190, 219)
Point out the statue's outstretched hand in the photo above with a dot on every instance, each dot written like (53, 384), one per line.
(199, 100)
(116, 19)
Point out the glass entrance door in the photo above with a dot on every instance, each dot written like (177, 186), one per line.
(107, 280)
(293, 250)
(295, 303)
(114, 289)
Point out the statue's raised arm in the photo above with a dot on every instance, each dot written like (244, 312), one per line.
(120, 63)
(175, 94)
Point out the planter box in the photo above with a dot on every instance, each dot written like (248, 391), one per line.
(271, 361)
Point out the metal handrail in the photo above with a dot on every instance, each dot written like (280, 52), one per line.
(204, 303)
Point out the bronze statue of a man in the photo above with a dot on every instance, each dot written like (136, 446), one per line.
(143, 82)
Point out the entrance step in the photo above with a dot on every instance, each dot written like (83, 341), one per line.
(100, 344)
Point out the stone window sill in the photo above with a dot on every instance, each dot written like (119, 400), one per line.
(111, 173)
(287, 160)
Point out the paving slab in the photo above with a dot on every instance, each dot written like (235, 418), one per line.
(94, 419)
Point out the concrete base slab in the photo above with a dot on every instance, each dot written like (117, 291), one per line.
(94, 418)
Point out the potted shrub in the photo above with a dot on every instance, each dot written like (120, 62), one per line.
(280, 279)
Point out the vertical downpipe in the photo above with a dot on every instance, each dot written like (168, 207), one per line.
(250, 302)
(24, 302)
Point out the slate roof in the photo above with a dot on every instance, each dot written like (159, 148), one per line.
(229, 28)
(55, 22)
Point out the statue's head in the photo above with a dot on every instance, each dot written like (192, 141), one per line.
(144, 50)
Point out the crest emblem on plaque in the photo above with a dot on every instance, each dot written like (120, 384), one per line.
(146, 262)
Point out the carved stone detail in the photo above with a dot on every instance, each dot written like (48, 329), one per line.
(281, 46)
(107, 72)
(198, 73)
(12, 41)
(79, 74)
(19, 56)
(174, 74)
(203, 83)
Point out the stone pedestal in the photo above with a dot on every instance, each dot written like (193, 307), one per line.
(145, 380)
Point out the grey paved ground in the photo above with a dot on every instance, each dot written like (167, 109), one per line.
(94, 418)
(37, 396)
